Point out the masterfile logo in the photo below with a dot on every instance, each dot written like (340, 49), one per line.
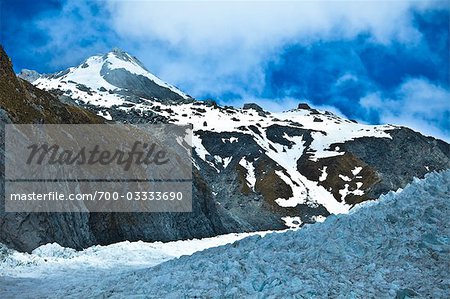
(98, 168)
(141, 153)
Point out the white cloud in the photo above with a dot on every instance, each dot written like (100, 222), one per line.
(219, 47)
(346, 78)
(418, 104)
(73, 33)
(223, 47)
(202, 25)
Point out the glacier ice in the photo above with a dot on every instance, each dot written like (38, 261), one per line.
(397, 246)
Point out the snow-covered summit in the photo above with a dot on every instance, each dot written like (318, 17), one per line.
(109, 78)
(29, 75)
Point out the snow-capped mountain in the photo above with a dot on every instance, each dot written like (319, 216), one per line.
(253, 170)
(104, 79)
(301, 136)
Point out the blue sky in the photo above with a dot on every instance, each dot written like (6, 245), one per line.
(376, 62)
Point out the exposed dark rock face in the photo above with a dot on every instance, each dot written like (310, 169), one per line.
(338, 169)
(255, 107)
(277, 133)
(398, 160)
(21, 102)
(303, 106)
(204, 221)
(138, 85)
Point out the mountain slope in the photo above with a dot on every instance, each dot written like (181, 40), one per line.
(397, 247)
(24, 103)
(21, 102)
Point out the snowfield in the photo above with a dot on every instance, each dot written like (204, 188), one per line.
(397, 246)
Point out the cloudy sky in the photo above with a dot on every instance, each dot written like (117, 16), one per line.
(376, 62)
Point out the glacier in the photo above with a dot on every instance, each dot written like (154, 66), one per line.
(397, 246)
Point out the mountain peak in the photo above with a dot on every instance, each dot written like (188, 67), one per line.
(29, 75)
(124, 56)
(115, 75)
(118, 51)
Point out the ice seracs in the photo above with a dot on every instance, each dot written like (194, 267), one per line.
(390, 248)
